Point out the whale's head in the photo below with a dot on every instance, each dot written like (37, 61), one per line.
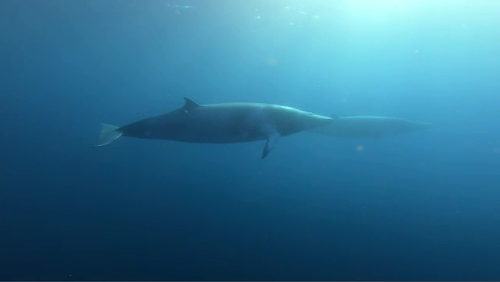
(424, 125)
(292, 120)
(312, 120)
(406, 126)
(420, 126)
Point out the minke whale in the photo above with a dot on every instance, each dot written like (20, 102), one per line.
(374, 127)
(219, 123)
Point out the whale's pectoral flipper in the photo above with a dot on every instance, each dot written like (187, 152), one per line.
(109, 133)
(272, 138)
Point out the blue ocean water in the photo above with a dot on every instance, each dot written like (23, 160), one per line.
(418, 206)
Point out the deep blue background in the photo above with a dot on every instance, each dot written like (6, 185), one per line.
(420, 206)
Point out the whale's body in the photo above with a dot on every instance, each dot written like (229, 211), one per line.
(219, 123)
(369, 127)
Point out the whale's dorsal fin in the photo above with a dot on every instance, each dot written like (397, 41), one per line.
(190, 104)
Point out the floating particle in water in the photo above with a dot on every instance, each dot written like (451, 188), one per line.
(417, 51)
(315, 17)
(360, 148)
(272, 62)
(181, 6)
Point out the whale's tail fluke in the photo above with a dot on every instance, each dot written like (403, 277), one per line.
(109, 133)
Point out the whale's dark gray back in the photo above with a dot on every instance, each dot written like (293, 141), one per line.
(224, 123)
(221, 123)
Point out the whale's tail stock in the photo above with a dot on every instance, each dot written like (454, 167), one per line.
(109, 133)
